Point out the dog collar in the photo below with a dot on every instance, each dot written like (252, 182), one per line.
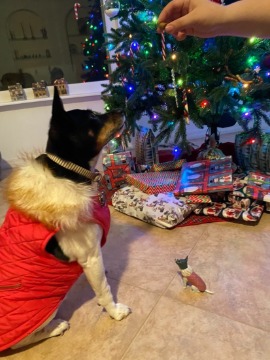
(75, 168)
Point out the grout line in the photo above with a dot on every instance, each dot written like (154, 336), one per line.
(147, 317)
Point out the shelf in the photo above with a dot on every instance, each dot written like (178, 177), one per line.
(28, 39)
(33, 58)
(76, 35)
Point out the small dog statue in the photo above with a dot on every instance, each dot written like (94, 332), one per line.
(190, 277)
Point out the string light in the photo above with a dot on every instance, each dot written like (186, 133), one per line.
(204, 104)
(180, 82)
(253, 39)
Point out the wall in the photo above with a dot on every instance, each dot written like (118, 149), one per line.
(24, 124)
(57, 17)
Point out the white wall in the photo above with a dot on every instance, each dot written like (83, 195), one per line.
(24, 124)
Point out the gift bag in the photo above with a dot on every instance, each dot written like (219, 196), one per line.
(145, 150)
(253, 155)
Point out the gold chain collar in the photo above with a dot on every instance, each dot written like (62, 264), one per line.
(75, 168)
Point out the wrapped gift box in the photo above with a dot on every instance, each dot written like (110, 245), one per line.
(205, 176)
(161, 210)
(249, 214)
(116, 167)
(154, 182)
(168, 166)
(258, 186)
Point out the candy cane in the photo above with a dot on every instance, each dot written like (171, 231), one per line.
(163, 48)
(76, 8)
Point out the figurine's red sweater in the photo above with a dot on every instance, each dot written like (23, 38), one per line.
(33, 282)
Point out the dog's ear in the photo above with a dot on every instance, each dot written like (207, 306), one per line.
(57, 107)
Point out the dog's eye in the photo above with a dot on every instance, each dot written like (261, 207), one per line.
(91, 133)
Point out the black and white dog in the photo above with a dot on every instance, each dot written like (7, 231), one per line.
(55, 227)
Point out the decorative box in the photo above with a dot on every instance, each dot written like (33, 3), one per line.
(116, 167)
(154, 182)
(62, 86)
(16, 92)
(40, 89)
(205, 176)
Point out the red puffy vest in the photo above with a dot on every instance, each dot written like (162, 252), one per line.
(33, 282)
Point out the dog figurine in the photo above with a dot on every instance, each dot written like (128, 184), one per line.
(190, 277)
(55, 227)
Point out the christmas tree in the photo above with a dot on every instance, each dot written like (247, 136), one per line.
(211, 82)
(94, 68)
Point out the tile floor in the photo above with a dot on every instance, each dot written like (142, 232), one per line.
(169, 322)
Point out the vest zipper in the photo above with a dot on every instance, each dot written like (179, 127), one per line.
(10, 287)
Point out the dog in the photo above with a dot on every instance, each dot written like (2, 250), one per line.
(55, 227)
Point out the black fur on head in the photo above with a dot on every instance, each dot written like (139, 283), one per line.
(182, 263)
(79, 135)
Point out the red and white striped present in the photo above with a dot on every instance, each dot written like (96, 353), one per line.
(154, 182)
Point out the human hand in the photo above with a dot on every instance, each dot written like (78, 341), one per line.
(200, 18)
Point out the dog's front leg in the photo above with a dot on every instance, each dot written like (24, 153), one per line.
(95, 274)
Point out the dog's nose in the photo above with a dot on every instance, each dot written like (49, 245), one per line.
(119, 111)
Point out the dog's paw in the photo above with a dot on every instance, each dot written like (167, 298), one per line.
(118, 311)
(56, 327)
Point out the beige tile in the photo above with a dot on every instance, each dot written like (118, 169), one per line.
(233, 263)
(169, 322)
(143, 255)
(176, 331)
(93, 334)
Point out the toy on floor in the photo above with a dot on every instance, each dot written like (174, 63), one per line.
(190, 277)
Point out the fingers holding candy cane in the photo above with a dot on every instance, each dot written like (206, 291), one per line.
(76, 10)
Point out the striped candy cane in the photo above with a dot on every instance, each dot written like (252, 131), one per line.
(163, 48)
(76, 10)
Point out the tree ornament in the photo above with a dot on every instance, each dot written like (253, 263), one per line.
(135, 46)
(212, 152)
(76, 10)
(112, 8)
(266, 61)
(226, 120)
(174, 88)
(185, 103)
(145, 16)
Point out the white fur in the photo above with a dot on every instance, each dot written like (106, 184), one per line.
(61, 203)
